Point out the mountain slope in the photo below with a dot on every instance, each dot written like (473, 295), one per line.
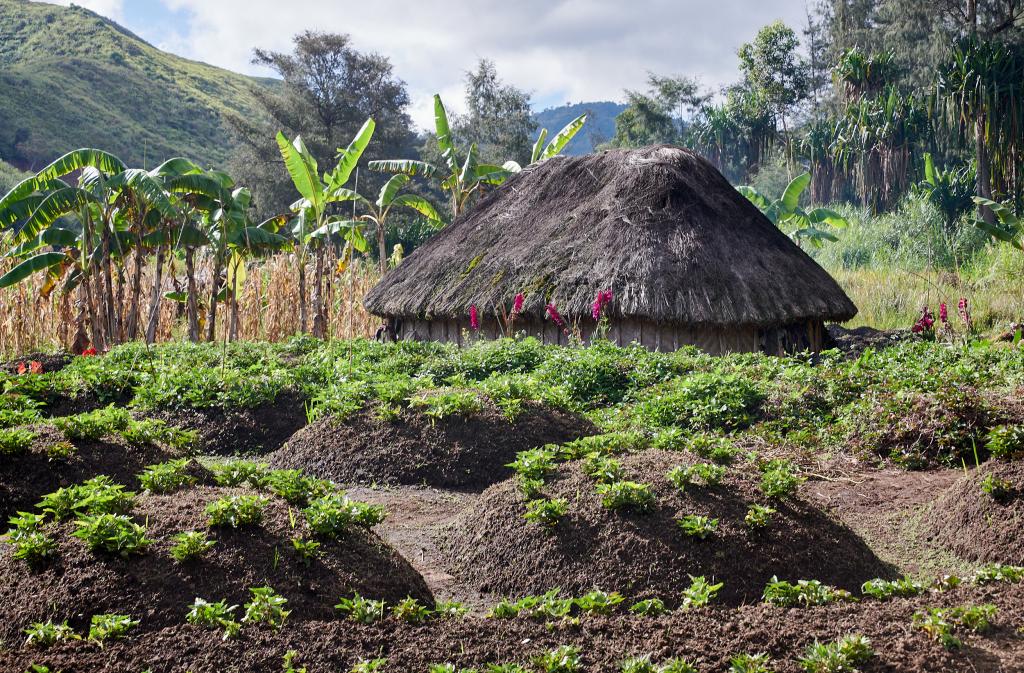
(71, 78)
(600, 126)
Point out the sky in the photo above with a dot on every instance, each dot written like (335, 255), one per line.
(558, 50)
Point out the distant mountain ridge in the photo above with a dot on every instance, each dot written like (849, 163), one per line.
(72, 78)
(600, 126)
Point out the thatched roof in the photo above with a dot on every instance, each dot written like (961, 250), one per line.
(659, 226)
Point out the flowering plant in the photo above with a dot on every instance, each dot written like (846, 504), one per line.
(556, 318)
(597, 310)
(474, 319)
(31, 367)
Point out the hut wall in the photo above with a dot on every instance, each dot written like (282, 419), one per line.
(792, 338)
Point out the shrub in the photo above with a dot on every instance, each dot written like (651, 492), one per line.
(110, 627)
(546, 512)
(190, 545)
(626, 495)
(699, 593)
(697, 526)
(215, 616)
(112, 533)
(94, 425)
(411, 611)
(15, 441)
(840, 656)
(1005, 441)
(758, 516)
(266, 607)
(331, 515)
(45, 634)
(236, 511)
(166, 477)
(362, 610)
(804, 592)
(650, 607)
(99, 495)
(562, 659)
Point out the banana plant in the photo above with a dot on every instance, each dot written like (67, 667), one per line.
(1008, 228)
(558, 143)
(786, 213)
(460, 177)
(313, 222)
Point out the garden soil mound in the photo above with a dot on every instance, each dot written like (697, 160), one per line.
(242, 431)
(706, 637)
(157, 590)
(645, 555)
(27, 477)
(460, 452)
(976, 526)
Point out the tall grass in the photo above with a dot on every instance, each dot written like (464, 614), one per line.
(268, 307)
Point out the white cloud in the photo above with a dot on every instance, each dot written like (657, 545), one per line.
(112, 9)
(559, 50)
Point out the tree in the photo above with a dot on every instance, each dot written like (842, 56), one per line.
(774, 70)
(660, 115)
(499, 119)
(328, 90)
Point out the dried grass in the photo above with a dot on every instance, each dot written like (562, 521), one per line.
(268, 307)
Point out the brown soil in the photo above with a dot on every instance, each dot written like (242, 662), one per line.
(646, 554)
(25, 478)
(857, 340)
(707, 637)
(242, 431)
(463, 452)
(157, 590)
(977, 526)
(51, 362)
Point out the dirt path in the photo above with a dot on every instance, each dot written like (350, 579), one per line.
(885, 507)
(415, 516)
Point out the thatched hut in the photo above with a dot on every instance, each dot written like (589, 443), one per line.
(688, 259)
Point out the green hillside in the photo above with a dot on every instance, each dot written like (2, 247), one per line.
(71, 78)
(599, 129)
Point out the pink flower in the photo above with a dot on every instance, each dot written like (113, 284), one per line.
(517, 304)
(474, 319)
(556, 317)
(924, 323)
(604, 297)
(943, 313)
(964, 312)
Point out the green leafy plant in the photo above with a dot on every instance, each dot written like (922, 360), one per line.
(758, 516)
(699, 593)
(190, 545)
(545, 512)
(534, 463)
(99, 495)
(295, 487)
(368, 666)
(110, 627)
(786, 213)
(886, 589)
(331, 515)
(411, 611)
(45, 634)
(30, 543)
(604, 469)
(113, 534)
(998, 572)
(239, 472)
(649, 607)
(449, 610)
(694, 525)
(942, 623)
(530, 488)
(779, 482)
(682, 476)
(995, 487)
(804, 592)
(152, 431)
(266, 607)
(217, 615)
(166, 477)
(439, 405)
(1005, 441)
(677, 666)
(362, 610)
(562, 659)
(307, 550)
(288, 664)
(750, 663)
(61, 450)
(627, 495)
(15, 440)
(94, 425)
(840, 656)
(599, 602)
(235, 511)
(642, 664)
